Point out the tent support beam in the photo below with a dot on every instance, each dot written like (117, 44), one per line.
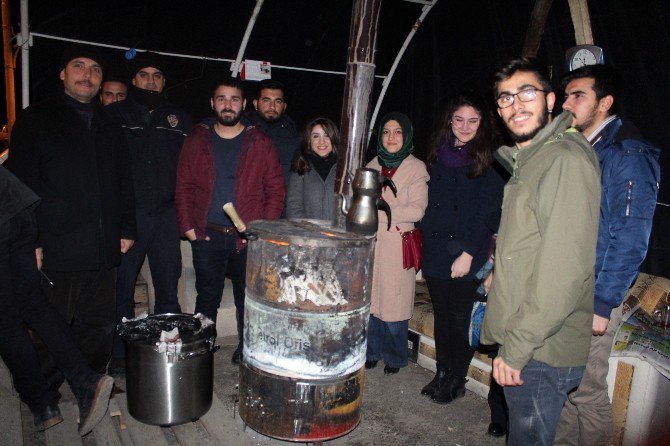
(25, 55)
(235, 68)
(538, 20)
(387, 81)
(579, 11)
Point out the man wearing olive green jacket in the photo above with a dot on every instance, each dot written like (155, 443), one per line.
(540, 307)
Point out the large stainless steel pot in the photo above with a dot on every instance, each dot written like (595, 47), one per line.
(167, 388)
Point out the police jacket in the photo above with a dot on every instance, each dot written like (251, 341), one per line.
(154, 141)
(630, 179)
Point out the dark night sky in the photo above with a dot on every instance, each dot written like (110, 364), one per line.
(458, 47)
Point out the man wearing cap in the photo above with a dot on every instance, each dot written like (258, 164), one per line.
(72, 153)
(155, 130)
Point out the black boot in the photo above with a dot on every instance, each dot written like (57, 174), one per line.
(437, 382)
(453, 388)
(93, 399)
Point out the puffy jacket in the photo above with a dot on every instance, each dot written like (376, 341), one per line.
(154, 142)
(259, 184)
(630, 180)
(541, 301)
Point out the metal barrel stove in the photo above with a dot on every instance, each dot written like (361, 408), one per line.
(305, 318)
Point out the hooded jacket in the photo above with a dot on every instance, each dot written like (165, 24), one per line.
(541, 301)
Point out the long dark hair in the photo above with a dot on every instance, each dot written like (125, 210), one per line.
(301, 163)
(486, 139)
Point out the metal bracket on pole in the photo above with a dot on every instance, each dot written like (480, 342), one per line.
(387, 81)
(235, 67)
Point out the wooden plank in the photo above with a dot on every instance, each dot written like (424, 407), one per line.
(119, 422)
(67, 432)
(622, 386)
(140, 433)
(192, 434)
(538, 20)
(10, 418)
(105, 434)
(581, 20)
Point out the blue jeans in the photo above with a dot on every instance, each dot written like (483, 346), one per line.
(212, 260)
(535, 407)
(387, 341)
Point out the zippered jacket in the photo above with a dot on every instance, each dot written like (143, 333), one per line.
(541, 301)
(259, 183)
(630, 180)
(154, 143)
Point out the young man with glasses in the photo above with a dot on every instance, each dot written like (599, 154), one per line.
(541, 301)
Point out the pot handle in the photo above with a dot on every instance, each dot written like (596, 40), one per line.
(197, 353)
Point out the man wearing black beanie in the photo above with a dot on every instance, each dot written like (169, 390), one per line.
(73, 155)
(155, 130)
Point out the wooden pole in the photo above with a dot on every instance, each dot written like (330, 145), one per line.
(579, 11)
(357, 91)
(538, 20)
(9, 66)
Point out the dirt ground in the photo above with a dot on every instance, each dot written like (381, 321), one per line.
(393, 410)
(393, 413)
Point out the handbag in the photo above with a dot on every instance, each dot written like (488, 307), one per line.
(481, 296)
(476, 321)
(412, 249)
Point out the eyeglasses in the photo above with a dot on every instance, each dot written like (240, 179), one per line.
(526, 95)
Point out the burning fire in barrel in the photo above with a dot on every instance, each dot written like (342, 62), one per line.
(306, 310)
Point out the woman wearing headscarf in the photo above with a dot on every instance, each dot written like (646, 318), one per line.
(392, 285)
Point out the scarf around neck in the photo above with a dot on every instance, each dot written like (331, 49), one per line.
(452, 156)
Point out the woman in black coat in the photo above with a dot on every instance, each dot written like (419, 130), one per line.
(464, 200)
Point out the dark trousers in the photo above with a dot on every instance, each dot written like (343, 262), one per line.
(22, 302)
(157, 239)
(212, 260)
(452, 305)
(497, 404)
(387, 341)
(87, 302)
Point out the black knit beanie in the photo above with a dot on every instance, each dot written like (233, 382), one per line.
(80, 50)
(144, 60)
